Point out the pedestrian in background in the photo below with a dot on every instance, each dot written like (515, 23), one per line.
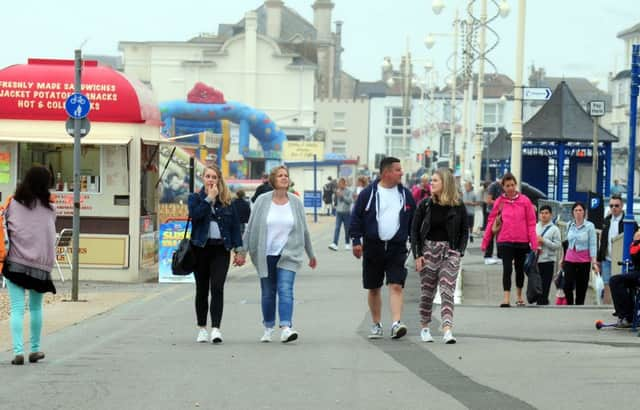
(327, 195)
(439, 234)
(493, 192)
(276, 238)
(262, 188)
(617, 189)
(243, 209)
(516, 237)
(421, 190)
(549, 241)
(344, 199)
(380, 226)
(470, 200)
(215, 231)
(612, 227)
(580, 257)
(30, 219)
(361, 184)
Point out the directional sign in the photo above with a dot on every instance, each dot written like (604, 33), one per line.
(85, 126)
(77, 105)
(539, 94)
(596, 108)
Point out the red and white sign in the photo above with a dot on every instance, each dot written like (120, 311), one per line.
(38, 90)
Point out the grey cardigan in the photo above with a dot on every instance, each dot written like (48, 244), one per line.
(255, 236)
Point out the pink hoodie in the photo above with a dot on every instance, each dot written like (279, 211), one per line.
(518, 221)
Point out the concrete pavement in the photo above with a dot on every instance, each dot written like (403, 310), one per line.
(142, 354)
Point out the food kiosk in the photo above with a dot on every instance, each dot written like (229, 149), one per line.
(119, 160)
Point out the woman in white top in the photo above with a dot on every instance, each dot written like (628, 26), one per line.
(276, 238)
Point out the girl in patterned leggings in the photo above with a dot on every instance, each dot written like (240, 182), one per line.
(439, 235)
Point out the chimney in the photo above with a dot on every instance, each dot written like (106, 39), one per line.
(274, 17)
(322, 19)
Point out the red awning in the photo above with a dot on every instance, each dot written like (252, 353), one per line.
(38, 90)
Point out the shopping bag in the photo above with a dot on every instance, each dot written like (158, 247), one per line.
(598, 287)
(561, 299)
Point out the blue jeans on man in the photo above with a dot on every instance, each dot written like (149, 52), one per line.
(342, 218)
(278, 283)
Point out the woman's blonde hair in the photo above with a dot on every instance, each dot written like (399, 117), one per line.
(274, 174)
(449, 196)
(224, 195)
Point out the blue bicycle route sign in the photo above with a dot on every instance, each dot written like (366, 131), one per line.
(77, 105)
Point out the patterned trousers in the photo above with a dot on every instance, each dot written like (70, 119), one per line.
(441, 265)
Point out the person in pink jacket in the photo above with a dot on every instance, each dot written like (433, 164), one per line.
(516, 237)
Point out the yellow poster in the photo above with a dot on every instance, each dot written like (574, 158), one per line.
(302, 150)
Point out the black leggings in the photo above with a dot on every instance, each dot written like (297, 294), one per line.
(546, 272)
(211, 273)
(512, 254)
(576, 276)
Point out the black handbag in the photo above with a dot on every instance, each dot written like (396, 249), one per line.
(534, 280)
(183, 261)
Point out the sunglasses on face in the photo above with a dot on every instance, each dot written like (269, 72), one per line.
(614, 206)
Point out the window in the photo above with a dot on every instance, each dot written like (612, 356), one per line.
(621, 94)
(446, 111)
(493, 114)
(339, 120)
(445, 141)
(394, 122)
(339, 147)
(58, 158)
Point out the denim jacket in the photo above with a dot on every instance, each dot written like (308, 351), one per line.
(583, 238)
(201, 217)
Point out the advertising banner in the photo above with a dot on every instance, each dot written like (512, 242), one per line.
(171, 232)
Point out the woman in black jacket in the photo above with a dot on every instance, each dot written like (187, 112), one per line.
(439, 235)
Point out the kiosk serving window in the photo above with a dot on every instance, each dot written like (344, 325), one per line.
(59, 159)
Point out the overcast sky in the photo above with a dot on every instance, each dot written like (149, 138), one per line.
(567, 38)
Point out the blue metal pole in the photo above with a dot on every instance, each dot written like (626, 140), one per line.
(315, 188)
(633, 112)
(560, 184)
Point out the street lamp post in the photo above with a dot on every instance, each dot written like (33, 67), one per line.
(516, 131)
(480, 54)
(503, 11)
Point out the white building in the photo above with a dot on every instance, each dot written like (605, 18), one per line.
(618, 120)
(428, 127)
(272, 59)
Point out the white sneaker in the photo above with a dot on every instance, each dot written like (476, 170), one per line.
(333, 247)
(288, 335)
(347, 247)
(398, 329)
(491, 261)
(425, 335)
(268, 333)
(203, 336)
(216, 336)
(448, 337)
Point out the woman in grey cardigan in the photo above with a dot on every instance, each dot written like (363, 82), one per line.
(276, 238)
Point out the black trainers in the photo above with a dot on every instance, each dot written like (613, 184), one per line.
(35, 356)
(18, 360)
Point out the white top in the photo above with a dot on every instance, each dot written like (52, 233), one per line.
(389, 203)
(214, 229)
(279, 225)
(613, 232)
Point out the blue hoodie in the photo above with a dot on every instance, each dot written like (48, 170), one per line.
(364, 221)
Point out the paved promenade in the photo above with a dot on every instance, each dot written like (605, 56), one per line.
(141, 354)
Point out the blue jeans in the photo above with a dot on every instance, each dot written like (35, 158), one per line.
(342, 218)
(16, 297)
(605, 270)
(280, 281)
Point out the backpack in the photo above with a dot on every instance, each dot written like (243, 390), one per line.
(4, 233)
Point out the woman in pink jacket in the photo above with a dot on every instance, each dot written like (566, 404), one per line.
(516, 237)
